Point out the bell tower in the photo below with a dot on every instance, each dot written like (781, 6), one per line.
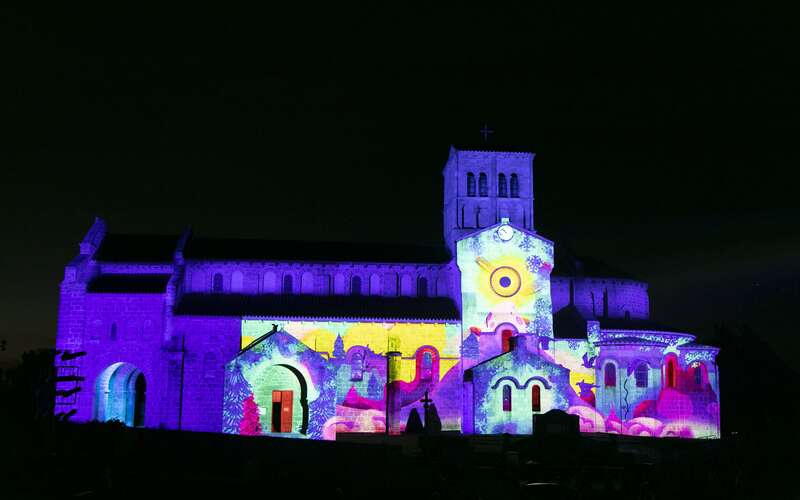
(483, 187)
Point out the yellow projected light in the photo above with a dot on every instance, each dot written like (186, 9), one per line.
(505, 281)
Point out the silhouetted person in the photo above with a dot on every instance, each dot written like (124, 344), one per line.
(433, 423)
(414, 424)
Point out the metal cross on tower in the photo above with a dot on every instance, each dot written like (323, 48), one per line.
(486, 132)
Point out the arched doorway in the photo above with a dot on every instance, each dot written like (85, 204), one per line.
(505, 338)
(282, 391)
(120, 394)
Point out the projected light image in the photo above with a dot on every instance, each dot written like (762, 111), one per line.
(635, 383)
(490, 329)
(317, 379)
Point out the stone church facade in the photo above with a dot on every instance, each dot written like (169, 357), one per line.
(310, 340)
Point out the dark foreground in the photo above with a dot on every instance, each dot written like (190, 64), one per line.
(109, 461)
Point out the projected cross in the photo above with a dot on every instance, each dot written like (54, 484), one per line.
(486, 132)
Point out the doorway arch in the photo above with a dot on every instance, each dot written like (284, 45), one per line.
(282, 390)
(120, 394)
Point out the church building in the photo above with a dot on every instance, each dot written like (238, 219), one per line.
(309, 340)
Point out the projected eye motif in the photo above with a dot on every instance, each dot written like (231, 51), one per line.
(505, 281)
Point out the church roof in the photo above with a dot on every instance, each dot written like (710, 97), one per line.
(567, 263)
(630, 341)
(320, 307)
(241, 249)
(161, 248)
(129, 283)
(137, 248)
(144, 248)
(568, 323)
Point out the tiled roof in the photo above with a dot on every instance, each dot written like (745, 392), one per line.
(129, 283)
(313, 306)
(629, 341)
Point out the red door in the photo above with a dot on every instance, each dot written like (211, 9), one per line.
(536, 398)
(506, 338)
(282, 411)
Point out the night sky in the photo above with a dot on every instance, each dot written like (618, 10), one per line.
(665, 140)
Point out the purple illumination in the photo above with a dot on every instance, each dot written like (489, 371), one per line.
(186, 341)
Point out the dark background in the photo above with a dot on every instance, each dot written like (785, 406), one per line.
(665, 138)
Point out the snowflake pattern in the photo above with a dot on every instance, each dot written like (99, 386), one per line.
(526, 244)
(693, 356)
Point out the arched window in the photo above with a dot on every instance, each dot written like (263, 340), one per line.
(113, 333)
(506, 398)
(422, 286)
(355, 285)
(641, 375)
(287, 284)
(610, 375)
(502, 188)
(514, 186)
(217, 287)
(671, 374)
(536, 398)
(470, 184)
(698, 375)
(483, 185)
(426, 373)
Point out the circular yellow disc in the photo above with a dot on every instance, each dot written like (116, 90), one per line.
(505, 281)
